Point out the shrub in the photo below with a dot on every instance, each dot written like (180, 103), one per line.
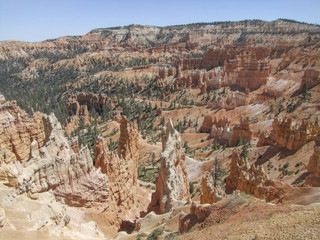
(191, 187)
(239, 141)
(155, 234)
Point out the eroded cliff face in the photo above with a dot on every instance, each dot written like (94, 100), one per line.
(252, 179)
(172, 185)
(121, 170)
(243, 130)
(222, 131)
(313, 179)
(72, 177)
(18, 131)
(287, 133)
(67, 172)
(208, 189)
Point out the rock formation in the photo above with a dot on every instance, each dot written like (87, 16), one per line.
(311, 78)
(197, 214)
(291, 135)
(233, 100)
(128, 143)
(121, 170)
(313, 179)
(55, 166)
(208, 190)
(18, 131)
(172, 186)
(252, 179)
(206, 124)
(78, 107)
(243, 130)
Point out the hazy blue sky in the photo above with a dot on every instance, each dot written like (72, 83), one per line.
(31, 20)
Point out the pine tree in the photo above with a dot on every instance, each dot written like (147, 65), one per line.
(305, 91)
(245, 151)
(239, 141)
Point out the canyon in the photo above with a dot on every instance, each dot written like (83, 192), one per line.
(187, 131)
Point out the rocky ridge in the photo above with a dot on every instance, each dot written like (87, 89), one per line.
(172, 186)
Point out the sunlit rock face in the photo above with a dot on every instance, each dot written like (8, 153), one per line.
(172, 186)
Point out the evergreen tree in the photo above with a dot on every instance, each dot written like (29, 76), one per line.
(245, 151)
(239, 141)
(305, 91)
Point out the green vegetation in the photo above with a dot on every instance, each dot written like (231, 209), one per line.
(271, 107)
(305, 91)
(236, 200)
(87, 135)
(147, 174)
(191, 187)
(245, 151)
(239, 141)
(218, 173)
(141, 236)
(284, 169)
(155, 234)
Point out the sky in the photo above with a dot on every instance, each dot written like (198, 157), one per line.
(34, 21)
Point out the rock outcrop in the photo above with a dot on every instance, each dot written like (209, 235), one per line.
(311, 78)
(18, 131)
(252, 179)
(243, 130)
(55, 166)
(231, 101)
(313, 179)
(291, 135)
(208, 189)
(197, 214)
(121, 170)
(206, 124)
(91, 100)
(172, 186)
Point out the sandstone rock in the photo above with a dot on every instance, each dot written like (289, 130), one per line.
(121, 170)
(313, 179)
(311, 78)
(291, 135)
(74, 144)
(208, 190)
(233, 100)
(71, 176)
(165, 72)
(172, 186)
(128, 144)
(242, 130)
(2, 99)
(252, 179)
(197, 214)
(72, 105)
(206, 124)
(34, 149)
(221, 135)
(159, 111)
(18, 131)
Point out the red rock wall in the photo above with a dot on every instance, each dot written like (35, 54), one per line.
(313, 179)
(17, 131)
